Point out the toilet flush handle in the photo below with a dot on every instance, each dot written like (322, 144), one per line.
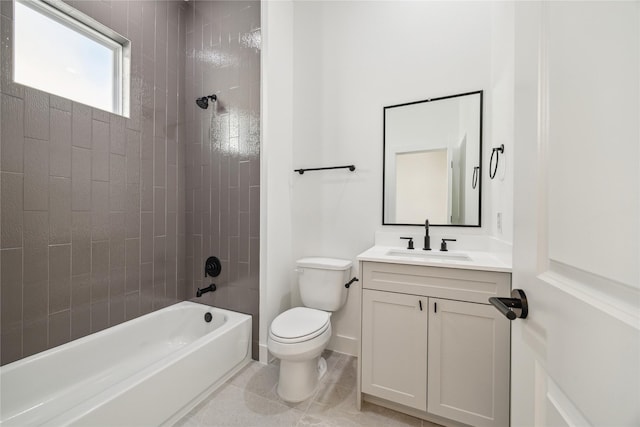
(346, 285)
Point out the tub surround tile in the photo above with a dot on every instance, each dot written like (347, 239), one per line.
(35, 269)
(36, 175)
(80, 179)
(80, 242)
(99, 271)
(35, 335)
(218, 172)
(59, 103)
(36, 114)
(99, 155)
(60, 142)
(11, 210)
(132, 270)
(132, 156)
(100, 151)
(59, 278)
(91, 198)
(81, 125)
(11, 304)
(117, 182)
(116, 310)
(99, 315)
(59, 210)
(59, 328)
(132, 213)
(80, 291)
(117, 137)
(132, 305)
(80, 321)
(11, 343)
(12, 135)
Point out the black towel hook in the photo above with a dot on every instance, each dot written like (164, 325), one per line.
(496, 151)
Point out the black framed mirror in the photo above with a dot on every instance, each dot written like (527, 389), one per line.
(432, 159)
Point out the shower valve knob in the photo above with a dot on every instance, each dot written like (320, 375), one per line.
(212, 267)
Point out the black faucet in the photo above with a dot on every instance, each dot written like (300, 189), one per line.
(443, 245)
(409, 243)
(427, 239)
(210, 288)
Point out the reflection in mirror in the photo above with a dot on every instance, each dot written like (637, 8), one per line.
(431, 149)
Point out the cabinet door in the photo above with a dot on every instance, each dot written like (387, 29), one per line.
(468, 363)
(394, 347)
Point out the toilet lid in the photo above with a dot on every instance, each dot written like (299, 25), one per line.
(299, 324)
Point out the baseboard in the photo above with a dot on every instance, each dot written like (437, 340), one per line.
(263, 353)
(343, 344)
(411, 411)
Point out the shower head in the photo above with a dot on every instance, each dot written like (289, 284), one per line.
(204, 101)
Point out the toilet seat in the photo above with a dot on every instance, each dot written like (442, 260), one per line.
(299, 324)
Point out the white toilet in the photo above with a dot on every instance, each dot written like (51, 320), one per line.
(299, 335)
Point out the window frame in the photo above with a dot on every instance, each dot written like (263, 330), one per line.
(88, 27)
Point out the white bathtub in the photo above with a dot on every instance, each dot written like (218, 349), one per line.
(149, 371)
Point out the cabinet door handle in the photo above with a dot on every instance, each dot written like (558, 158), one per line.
(435, 307)
(420, 304)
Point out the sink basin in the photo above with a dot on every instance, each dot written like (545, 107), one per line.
(427, 255)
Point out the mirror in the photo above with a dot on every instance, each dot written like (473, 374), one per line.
(432, 161)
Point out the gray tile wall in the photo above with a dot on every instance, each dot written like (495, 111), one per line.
(92, 226)
(223, 152)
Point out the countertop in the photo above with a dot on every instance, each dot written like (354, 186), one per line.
(480, 260)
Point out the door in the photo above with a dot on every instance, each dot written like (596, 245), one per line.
(394, 347)
(576, 357)
(468, 363)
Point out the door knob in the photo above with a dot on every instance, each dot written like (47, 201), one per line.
(513, 307)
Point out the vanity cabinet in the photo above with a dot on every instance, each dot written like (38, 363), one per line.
(432, 343)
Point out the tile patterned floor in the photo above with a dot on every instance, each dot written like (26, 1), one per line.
(250, 399)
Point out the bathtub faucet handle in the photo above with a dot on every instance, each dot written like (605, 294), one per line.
(210, 288)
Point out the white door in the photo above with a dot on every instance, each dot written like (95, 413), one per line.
(576, 358)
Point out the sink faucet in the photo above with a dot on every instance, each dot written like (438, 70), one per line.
(409, 243)
(443, 245)
(427, 239)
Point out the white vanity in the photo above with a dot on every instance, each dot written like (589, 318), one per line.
(431, 344)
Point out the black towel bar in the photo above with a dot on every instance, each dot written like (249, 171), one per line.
(301, 171)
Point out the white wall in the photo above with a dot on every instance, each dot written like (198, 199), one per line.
(350, 60)
(498, 193)
(328, 70)
(276, 164)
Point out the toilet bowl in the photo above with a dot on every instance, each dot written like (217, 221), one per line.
(299, 335)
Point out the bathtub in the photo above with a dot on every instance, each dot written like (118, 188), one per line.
(149, 371)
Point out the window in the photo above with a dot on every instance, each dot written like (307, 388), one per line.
(63, 52)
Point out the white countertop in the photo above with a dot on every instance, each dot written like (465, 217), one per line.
(479, 260)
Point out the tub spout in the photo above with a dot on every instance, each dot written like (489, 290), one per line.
(210, 288)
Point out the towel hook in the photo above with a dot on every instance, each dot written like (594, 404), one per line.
(496, 151)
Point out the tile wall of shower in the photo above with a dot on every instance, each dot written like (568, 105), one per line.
(223, 153)
(94, 208)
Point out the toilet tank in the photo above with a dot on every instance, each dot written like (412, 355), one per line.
(321, 282)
